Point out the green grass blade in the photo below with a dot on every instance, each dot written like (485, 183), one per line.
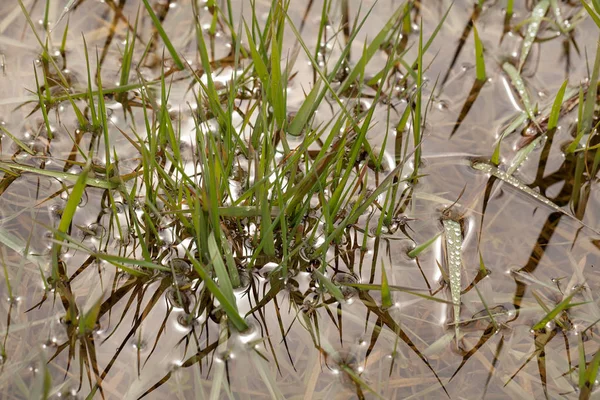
(591, 12)
(563, 305)
(164, 36)
(556, 106)
(423, 246)
(587, 116)
(220, 269)
(479, 61)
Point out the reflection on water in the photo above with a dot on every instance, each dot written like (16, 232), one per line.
(94, 330)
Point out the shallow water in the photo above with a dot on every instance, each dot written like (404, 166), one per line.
(303, 343)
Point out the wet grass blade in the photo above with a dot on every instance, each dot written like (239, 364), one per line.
(453, 236)
(521, 89)
(538, 13)
(505, 177)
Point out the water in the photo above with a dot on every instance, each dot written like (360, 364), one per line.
(162, 335)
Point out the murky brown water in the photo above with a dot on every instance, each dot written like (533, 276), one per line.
(147, 341)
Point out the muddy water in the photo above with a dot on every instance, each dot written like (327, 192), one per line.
(147, 342)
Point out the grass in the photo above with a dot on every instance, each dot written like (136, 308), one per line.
(254, 201)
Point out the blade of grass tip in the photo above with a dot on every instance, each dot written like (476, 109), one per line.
(304, 113)
(423, 246)
(164, 36)
(587, 118)
(538, 13)
(479, 61)
(560, 307)
(386, 295)
(259, 64)
(519, 86)
(591, 12)
(518, 121)
(453, 235)
(556, 106)
(63, 44)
